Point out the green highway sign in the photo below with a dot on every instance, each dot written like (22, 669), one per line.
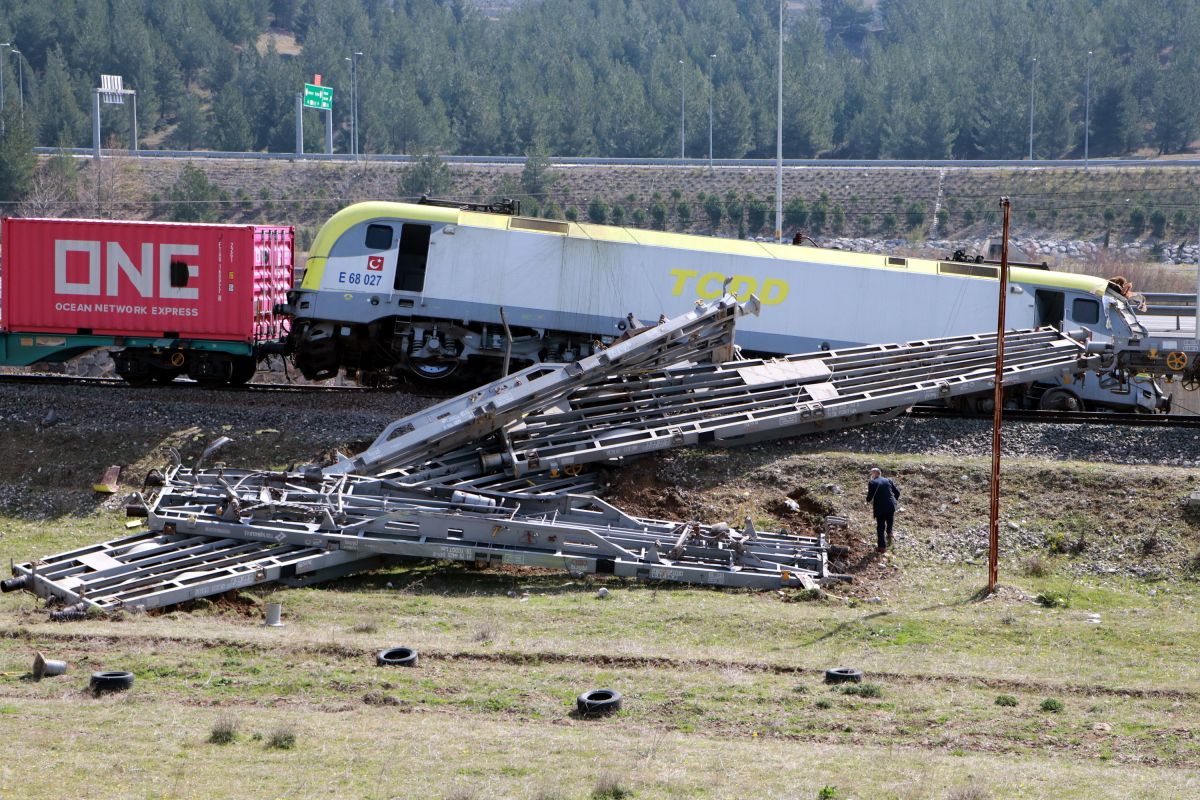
(318, 96)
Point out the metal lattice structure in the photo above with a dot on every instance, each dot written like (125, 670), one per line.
(501, 475)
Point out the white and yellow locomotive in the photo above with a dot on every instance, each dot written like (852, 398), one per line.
(436, 290)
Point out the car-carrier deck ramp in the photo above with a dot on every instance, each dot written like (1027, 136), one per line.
(509, 473)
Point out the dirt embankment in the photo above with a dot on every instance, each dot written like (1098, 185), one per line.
(873, 202)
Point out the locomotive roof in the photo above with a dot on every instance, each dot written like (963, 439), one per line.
(359, 213)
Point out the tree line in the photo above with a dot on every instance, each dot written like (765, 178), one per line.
(898, 78)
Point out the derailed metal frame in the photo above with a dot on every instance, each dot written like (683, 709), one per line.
(497, 476)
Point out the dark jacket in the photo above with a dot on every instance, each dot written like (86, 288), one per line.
(882, 493)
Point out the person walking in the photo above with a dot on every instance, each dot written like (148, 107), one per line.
(882, 494)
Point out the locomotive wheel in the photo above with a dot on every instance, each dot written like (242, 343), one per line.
(1060, 400)
(434, 370)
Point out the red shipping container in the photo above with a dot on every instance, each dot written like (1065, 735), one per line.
(157, 279)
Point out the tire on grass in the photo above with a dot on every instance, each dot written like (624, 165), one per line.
(396, 657)
(113, 681)
(843, 675)
(599, 701)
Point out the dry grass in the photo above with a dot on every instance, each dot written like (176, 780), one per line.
(710, 678)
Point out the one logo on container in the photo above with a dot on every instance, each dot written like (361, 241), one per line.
(106, 262)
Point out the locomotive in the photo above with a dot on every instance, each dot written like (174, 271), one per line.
(438, 290)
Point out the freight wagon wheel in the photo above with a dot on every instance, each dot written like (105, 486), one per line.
(164, 376)
(243, 371)
(1060, 400)
(434, 370)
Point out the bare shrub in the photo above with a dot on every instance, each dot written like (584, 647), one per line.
(972, 791)
(282, 738)
(610, 787)
(1036, 566)
(224, 731)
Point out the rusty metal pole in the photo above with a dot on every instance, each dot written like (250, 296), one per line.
(998, 412)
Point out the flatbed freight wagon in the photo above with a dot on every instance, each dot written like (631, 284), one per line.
(174, 298)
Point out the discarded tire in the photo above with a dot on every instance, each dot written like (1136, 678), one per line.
(116, 681)
(843, 675)
(397, 657)
(599, 701)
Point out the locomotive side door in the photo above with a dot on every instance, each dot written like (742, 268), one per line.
(1050, 307)
(412, 257)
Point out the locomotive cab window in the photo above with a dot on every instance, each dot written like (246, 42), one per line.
(410, 261)
(1086, 312)
(379, 237)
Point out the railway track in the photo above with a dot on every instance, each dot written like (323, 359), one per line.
(1071, 417)
(1010, 415)
(31, 379)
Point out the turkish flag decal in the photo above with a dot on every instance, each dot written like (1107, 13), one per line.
(375, 263)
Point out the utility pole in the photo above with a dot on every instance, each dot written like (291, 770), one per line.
(998, 411)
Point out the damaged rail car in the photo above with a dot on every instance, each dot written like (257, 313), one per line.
(501, 475)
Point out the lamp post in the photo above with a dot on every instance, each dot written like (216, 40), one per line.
(353, 59)
(21, 84)
(1032, 79)
(1087, 111)
(710, 108)
(779, 139)
(2, 44)
(681, 107)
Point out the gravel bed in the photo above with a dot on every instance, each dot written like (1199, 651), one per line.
(326, 419)
(1113, 444)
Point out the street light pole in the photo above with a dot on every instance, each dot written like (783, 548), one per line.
(779, 139)
(681, 117)
(353, 59)
(21, 85)
(1032, 79)
(2, 45)
(710, 108)
(1087, 112)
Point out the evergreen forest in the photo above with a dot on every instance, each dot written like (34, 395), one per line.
(885, 79)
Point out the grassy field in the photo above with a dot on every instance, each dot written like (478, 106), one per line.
(724, 693)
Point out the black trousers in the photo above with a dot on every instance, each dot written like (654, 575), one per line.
(883, 527)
